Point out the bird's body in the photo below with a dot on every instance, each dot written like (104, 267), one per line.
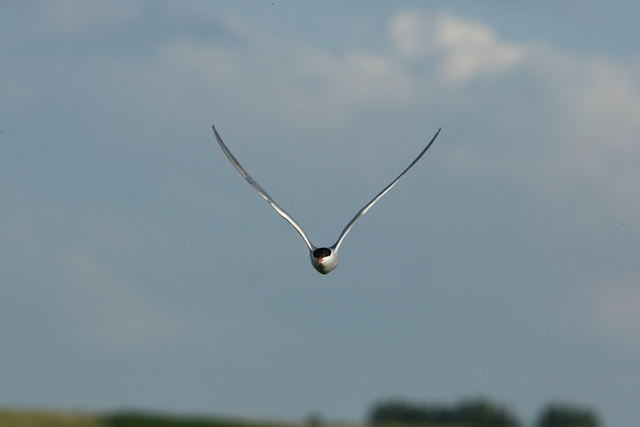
(324, 259)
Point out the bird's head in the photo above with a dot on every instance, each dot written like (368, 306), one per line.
(324, 260)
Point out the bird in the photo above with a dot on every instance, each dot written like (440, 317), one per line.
(323, 259)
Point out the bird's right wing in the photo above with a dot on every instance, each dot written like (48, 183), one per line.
(382, 193)
(261, 191)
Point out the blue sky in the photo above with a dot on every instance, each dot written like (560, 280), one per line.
(140, 270)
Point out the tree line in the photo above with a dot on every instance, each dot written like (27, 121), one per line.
(476, 413)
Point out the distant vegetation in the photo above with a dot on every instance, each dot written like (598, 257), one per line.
(477, 412)
(24, 418)
(134, 419)
(559, 415)
(390, 413)
(474, 413)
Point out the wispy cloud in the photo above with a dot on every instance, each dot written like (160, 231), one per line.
(468, 49)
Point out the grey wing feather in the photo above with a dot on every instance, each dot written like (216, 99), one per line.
(261, 191)
(380, 194)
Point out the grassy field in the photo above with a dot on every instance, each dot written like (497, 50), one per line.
(43, 418)
(37, 418)
(32, 418)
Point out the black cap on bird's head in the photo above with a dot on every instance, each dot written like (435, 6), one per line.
(322, 253)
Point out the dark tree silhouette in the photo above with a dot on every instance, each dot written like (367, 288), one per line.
(562, 415)
(472, 413)
(401, 412)
(481, 412)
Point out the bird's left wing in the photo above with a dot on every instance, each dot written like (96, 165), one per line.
(380, 194)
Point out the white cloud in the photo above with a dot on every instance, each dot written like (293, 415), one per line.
(468, 49)
(590, 112)
(337, 85)
(575, 120)
(298, 83)
(412, 35)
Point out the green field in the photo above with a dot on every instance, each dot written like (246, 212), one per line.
(30, 418)
(47, 418)
(43, 418)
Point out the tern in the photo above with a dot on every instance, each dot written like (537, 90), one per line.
(323, 259)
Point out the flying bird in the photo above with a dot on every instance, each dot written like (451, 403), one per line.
(323, 259)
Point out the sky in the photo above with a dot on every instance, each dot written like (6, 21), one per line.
(140, 270)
